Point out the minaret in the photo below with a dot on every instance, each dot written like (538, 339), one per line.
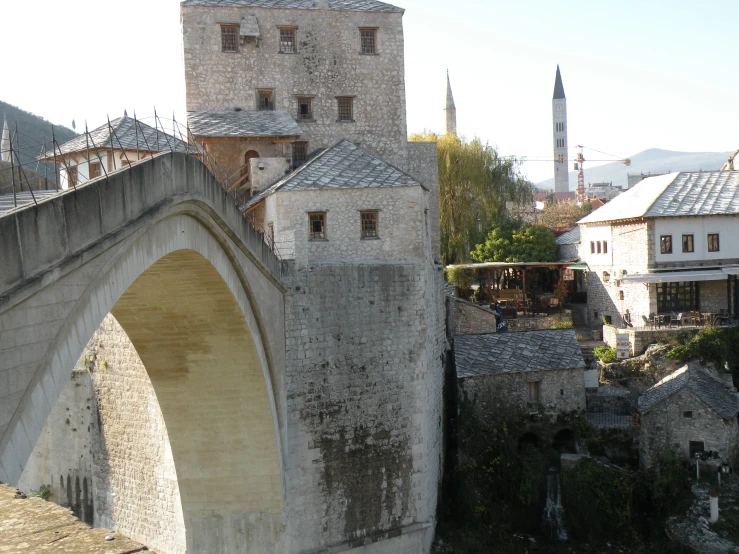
(559, 130)
(5, 142)
(450, 110)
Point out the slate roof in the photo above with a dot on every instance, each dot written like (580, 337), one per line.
(497, 354)
(700, 381)
(348, 5)
(570, 237)
(342, 166)
(126, 132)
(674, 195)
(246, 123)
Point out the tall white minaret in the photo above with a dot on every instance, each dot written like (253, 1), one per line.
(5, 142)
(559, 129)
(450, 110)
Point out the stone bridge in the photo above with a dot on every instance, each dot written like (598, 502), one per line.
(202, 298)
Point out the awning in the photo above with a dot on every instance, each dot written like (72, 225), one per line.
(582, 266)
(676, 276)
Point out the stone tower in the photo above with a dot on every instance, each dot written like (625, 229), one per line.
(559, 130)
(450, 110)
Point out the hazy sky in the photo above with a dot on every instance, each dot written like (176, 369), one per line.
(637, 74)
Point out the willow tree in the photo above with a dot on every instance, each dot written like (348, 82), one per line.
(475, 183)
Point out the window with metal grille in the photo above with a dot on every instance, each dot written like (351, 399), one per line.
(665, 244)
(346, 111)
(317, 223)
(688, 243)
(368, 40)
(713, 242)
(677, 297)
(229, 38)
(72, 176)
(265, 100)
(300, 153)
(96, 170)
(369, 224)
(305, 108)
(287, 40)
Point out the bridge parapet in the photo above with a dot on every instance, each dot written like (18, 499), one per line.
(56, 234)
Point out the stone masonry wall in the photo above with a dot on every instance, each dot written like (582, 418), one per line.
(562, 391)
(713, 296)
(133, 441)
(61, 458)
(469, 319)
(666, 427)
(401, 224)
(364, 382)
(328, 63)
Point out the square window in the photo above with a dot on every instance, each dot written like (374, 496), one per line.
(96, 170)
(265, 100)
(300, 153)
(534, 390)
(346, 108)
(688, 414)
(665, 244)
(317, 221)
(287, 40)
(713, 242)
(305, 108)
(369, 224)
(688, 243)
(368, 41)
(229, 38)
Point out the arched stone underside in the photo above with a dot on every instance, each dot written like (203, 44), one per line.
(187, 308)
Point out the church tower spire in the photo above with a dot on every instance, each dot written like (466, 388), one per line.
(5, 142)
(559, 131)
(450, 110)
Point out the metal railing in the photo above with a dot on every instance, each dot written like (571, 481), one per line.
(33, 168)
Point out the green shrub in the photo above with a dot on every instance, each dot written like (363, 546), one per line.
(461, 277)
(605, 354)
(670, 484)
(562, 325)
(43, 492)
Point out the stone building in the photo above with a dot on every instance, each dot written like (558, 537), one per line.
(302, 103)
(559, 136)
(537, 371)
(691, 410)
(665, 246)
(111, 146)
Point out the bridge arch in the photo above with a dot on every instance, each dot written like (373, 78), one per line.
(180, 287)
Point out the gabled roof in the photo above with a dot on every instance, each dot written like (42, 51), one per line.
(246, 123)
(348, 5)
(342, 166)
(701, 382)
(674, 195)
(570, 237)
(516, 352)
(123, 133)
(559, 89)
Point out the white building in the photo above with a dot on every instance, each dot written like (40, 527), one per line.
(666, 246)
(107, 148)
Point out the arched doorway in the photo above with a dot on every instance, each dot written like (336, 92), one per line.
(564, 441)
(250, 155)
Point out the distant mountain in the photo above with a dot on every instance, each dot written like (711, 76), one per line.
(32, 132)
(653, 160)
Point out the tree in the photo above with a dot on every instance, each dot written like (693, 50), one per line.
(475, 183)
(514, 242)
(563, 215)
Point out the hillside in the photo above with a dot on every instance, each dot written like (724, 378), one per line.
(653, 160)
(32, 131)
